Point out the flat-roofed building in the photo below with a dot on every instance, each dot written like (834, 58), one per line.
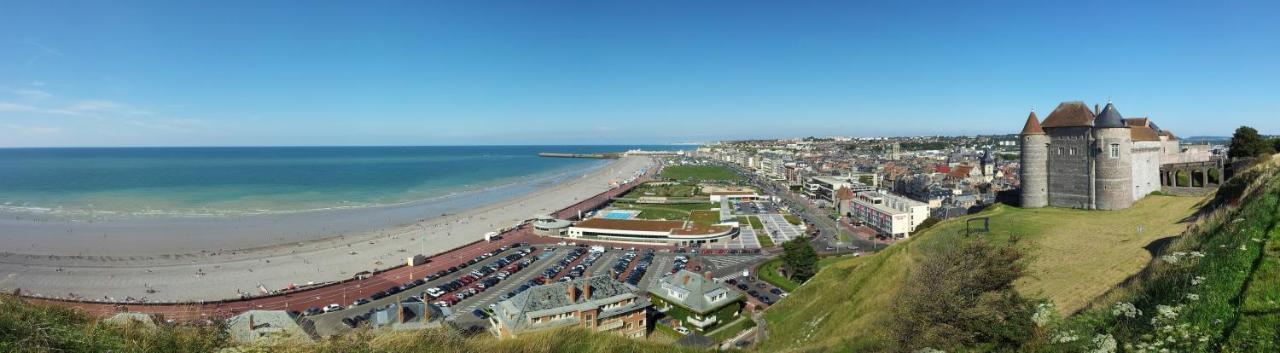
(596, 303)
(683, 233)
(887, 213)
(824, 187)
(695, 300)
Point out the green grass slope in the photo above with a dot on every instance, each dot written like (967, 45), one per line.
(1076, 255)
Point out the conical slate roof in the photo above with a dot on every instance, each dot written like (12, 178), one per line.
(1033, 126)
(1109, 118)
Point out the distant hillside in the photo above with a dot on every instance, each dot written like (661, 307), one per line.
(1207, 139)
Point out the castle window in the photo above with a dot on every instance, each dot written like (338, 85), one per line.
(1060, 150)
(1115, 150)
(1073, 151)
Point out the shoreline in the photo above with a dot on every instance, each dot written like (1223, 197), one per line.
(67, 240)
(222, 274)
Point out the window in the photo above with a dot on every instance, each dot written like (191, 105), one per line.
(1073, 151)
(1115, 150)
(1060, 150)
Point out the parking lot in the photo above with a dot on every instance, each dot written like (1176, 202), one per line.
(777, 227)
(746, 239)
(544, 259)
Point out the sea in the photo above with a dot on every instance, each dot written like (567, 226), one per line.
(106, 183)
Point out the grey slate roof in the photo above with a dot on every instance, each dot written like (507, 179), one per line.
(550, 299)
(1109, 118)
(696, 291)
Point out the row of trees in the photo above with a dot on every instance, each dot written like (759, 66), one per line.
(1247, 143)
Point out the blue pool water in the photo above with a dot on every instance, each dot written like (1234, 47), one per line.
(618, 215)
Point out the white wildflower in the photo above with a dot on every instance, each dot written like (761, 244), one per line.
(930, 350)
(1065, 337)
(1127, 309)
(1197, 280)
(1103, 344)
(1243, 248)
(1045, 314)
(1193, 297)
(1197, 254)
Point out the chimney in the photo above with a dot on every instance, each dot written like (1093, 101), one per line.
(571, 292)
(1096, 109)
(252, 326)
(706, 275)
(586, 291)
(686, 279)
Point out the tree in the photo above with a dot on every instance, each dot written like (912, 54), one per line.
(962, 298)
(799, 259)
(1246, 143)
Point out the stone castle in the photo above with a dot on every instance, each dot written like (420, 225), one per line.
(1092, 159)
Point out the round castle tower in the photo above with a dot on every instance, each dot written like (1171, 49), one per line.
(1113, 161)
(1035, 164)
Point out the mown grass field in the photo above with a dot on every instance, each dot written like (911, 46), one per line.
(668, 211)
(700, 172)
(705, 217)
(1076, 256)
(654, 190)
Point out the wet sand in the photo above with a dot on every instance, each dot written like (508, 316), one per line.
(205, 259)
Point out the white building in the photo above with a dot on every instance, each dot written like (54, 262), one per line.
(890, 214)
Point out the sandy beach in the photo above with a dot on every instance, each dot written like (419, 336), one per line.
(272, 251)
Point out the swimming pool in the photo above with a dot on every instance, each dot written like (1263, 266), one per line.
(621, 214)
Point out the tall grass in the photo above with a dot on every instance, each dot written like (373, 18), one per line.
(1189, 299)
(28, 328)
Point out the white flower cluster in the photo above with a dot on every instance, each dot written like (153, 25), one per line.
(1045, 314)
(1196, 254)
(1165, 313)
(1171, 336)
(1103, 344)
(1193, 296)
(1197, 280)
(1064, 337)
(1127, 309)
(929, 350)
(1243, 248)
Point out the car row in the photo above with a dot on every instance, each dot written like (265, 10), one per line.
(641, 268)
(479, 280)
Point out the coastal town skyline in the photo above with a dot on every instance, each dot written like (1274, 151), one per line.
(440, 74)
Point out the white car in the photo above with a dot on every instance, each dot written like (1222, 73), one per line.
(331, 308)
(682, 330)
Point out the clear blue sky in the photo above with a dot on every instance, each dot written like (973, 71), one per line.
(120, 73)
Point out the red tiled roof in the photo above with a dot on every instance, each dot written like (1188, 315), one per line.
(1069, 114)
(1033, 126)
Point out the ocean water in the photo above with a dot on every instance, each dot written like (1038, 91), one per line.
(161, 182)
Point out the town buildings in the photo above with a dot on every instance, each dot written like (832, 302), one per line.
(596, 303)
(696, 301)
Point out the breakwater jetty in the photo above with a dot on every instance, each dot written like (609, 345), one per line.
(581, 155)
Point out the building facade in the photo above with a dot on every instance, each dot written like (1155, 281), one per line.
(682, 233)
(1092, 158)
(889, 214)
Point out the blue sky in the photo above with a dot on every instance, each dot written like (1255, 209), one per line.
(123, 73)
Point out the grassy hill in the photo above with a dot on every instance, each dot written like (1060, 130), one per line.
(1076, 256)
(700, 172)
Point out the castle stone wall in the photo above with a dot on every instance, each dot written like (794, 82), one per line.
(1035, 174)
(1114, 174)
(1069, 166)
(1146, 167)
